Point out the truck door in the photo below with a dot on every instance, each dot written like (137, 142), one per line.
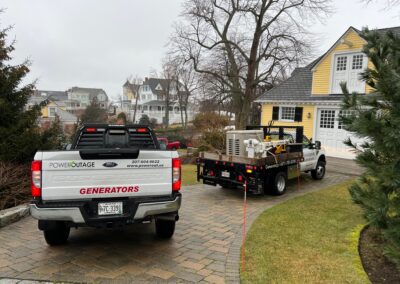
(309, 155)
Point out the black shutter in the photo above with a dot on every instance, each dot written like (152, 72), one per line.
(298, 114)
(275, 113)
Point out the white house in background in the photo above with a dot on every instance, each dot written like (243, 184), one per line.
(151, 100)
(80, 98)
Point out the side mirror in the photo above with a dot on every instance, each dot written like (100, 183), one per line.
(318, 145)
(68, 147)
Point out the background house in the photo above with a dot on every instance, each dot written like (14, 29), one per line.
(151, 95)
(80, 98)
(54, 104)
(67, 106)
(312, 96)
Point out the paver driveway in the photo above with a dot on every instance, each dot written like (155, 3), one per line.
(205, 247)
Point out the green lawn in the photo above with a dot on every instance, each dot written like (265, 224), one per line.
(189, 175)
(310, 239)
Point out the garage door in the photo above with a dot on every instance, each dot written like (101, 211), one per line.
(331, 134)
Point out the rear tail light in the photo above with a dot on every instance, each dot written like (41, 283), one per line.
(36, 180)
(176, 174)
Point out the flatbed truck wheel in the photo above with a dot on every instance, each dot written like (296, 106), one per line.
(279, 182)
(319, 171)
(57, 235)
(165, 228)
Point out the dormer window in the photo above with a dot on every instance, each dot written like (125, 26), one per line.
(347, 68)
(357, 62)
(159, 88)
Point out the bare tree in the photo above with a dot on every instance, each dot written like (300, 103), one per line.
(186, 83)
(167, 74)
(134, 85)
(245, 43)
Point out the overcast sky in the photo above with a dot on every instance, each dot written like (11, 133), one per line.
(99, 43)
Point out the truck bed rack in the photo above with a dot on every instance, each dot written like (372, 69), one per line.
(267, 161)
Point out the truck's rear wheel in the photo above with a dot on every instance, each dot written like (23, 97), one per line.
(165, 228)
(319, 171)
(279, 183)
(57, 235)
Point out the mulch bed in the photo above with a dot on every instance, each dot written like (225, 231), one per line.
(376, 265)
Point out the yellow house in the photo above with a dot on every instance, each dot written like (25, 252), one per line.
(51, 109)
(312, 96)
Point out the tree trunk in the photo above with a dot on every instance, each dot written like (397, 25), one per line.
(134, 111)
(182, 119)
(186, 117)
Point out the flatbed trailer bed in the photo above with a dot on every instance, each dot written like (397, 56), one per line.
(261, 175)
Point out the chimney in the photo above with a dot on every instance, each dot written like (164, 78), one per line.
(146, 79)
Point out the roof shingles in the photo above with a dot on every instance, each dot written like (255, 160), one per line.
(298, 86)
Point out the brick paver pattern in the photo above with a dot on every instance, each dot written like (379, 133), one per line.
(205, 247)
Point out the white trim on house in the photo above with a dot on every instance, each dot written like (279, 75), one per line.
(285, 102)
(280, 113)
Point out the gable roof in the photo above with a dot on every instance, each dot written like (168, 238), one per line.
(52, 95)
(165, 83)
(93, 92)
(66, 116)
(395, 30)
(298, 86)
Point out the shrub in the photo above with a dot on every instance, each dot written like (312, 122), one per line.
(14, 184)
(211, 126)
(377, 118)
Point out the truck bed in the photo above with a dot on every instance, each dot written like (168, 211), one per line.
(268, 161)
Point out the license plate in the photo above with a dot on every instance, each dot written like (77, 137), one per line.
(225, 174)
(110, 208)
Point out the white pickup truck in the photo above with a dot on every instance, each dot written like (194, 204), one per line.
(110, 176)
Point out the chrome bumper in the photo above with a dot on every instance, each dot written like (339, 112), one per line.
(73, 214)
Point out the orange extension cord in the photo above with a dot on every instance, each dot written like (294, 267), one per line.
(244, 223)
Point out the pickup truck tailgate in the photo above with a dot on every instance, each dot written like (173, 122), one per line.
(65, 176)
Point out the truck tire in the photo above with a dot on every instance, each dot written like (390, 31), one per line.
(278, 186)
(319, 171)
(165, 229)
(57, 235)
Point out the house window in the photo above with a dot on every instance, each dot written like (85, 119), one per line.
(343, 113)
(341, 63)
(170, 108)
(327, 119)
(357, 62)
(159, 108)
(52, 111)
(287, 113)
(144, 107)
